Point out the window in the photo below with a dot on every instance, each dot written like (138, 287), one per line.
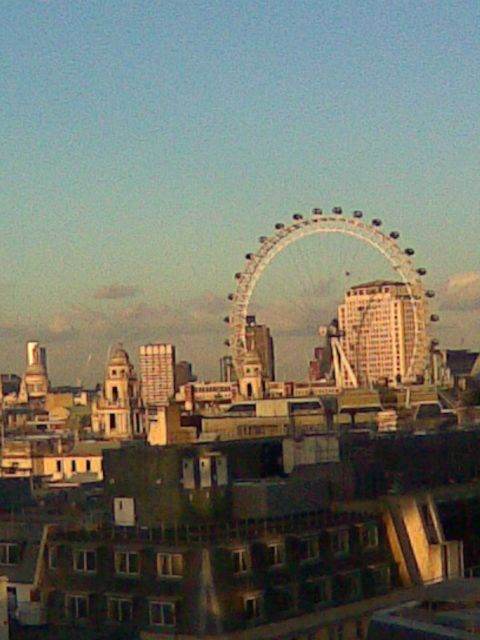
(352, 586)
(76, 606)
(119, 609)
(381, 577)
(52, 557)
(9, 553)
(359, 632)
(253, 606)
(170, 564)
(162, 613)
(59, 466)
(240, 561)
(127, 563)
(276, 554)
(340, 542)
(369, 536)
(321, 590)
(337, 632)
(74, 466)
(309, 549)
(282, 598)
(84, 560)
(88, 465)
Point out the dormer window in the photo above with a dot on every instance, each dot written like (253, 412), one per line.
(241, 560)
(9, 553)
(340, 542)
(276, 554)
(309, 549)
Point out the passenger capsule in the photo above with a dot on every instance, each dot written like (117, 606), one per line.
(248, 256)
(377, 222)
(317, 212)
(297, 216)
(337, 210)
(230, 296)
(430, 293)
(226, 319)
(238, 275)
(434, 317)
(409, 252)
(279, 225)
(435, 342)
(358, 214)
(227, 343)
(262, 239)
(421, 271)
(394, 235)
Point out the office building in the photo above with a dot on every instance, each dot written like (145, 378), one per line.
(258, 338)
(157, 372)
(378, 333)
(183, 374)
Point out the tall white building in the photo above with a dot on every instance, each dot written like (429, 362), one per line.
(379, 335)
(157, 372)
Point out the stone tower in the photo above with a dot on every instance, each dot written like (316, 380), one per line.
(118, 412)
(252, 383)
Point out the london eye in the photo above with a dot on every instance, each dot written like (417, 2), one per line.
(334, 224)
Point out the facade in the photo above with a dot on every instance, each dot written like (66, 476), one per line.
(186, 557)
(223, 540)
(157, 373)
(22, 549)
(4, 626)
(274, 538)
(258, 339)
(117, 413)
(378, 333)
(53, 460)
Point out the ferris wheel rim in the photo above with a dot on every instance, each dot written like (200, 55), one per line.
(256, 264)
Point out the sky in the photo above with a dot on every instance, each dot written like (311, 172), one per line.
(146, 145)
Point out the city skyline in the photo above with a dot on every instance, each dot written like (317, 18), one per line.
(146, 149)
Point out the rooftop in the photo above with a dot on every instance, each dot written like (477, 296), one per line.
(449, 609)
(378, 283)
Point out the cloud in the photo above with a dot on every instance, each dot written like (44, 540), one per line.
(116, 292)
(12, 330)
(59, 328)
(461, 292)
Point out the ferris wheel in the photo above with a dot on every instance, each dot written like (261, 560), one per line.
(355, 227)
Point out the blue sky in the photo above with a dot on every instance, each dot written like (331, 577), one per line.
(146, 145)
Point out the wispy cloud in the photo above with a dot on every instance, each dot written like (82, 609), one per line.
(461, 292)
(116, 292)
